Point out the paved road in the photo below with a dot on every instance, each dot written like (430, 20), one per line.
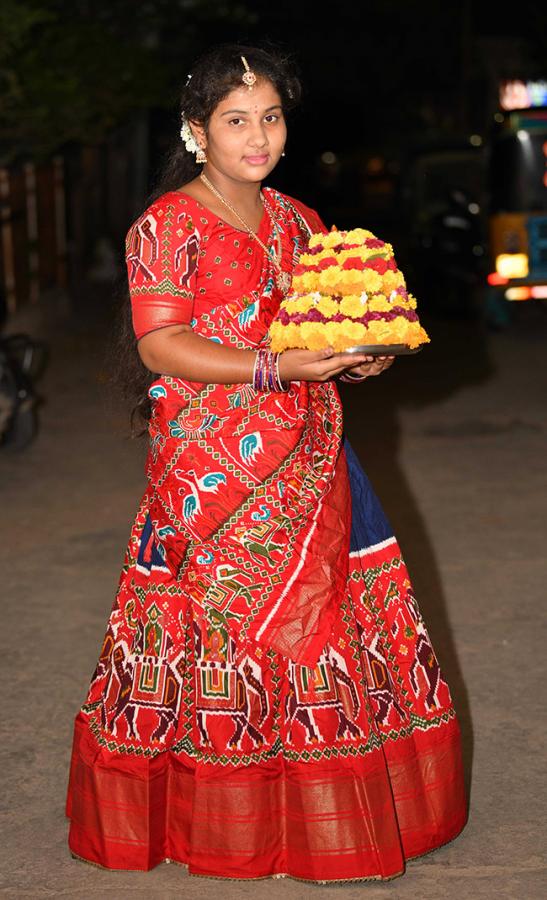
(454, 441)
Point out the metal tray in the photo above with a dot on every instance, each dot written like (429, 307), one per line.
(383, 349)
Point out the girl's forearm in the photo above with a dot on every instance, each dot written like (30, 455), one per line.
(184, 354)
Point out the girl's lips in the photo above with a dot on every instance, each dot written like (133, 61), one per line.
(257, 160)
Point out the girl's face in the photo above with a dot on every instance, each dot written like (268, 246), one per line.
(246, 133)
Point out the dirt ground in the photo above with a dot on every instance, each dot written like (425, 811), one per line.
(454, 441)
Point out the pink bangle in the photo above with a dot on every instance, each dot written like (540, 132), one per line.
(352, 378)
(266, 371)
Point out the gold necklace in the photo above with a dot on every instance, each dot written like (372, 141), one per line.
(283, 279)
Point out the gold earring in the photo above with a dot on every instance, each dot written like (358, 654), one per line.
(201, 156)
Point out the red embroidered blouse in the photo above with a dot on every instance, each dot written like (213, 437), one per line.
(182, 260)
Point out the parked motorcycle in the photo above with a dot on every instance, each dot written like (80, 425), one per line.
(21, 361)
(450, 257)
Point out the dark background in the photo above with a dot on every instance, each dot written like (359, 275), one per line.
(453, 438)
(88, 106)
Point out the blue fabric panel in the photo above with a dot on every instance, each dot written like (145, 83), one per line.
(145, 538)
(156, 559)
(369, 524)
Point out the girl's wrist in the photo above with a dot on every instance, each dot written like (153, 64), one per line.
(266, 373)
(281, 366)
(352, 379)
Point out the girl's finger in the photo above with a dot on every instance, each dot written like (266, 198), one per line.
(334, 367)
(356, 360)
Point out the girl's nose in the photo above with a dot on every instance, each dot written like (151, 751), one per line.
(258, 137)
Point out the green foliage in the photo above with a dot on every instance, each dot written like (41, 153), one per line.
(70, 71)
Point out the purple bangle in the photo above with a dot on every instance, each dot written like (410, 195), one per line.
(266, 372)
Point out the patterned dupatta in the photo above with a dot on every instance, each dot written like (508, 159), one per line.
(250, 499)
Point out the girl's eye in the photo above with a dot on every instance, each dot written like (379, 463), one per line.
(271, 117)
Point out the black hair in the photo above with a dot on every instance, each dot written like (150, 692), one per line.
(209, 80)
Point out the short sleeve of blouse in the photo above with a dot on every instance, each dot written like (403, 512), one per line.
(161, 253)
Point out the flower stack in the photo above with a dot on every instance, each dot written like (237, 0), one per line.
(347, 291)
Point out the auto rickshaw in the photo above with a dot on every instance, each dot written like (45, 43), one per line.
(518, 209)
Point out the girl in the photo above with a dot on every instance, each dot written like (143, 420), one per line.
(267, 701)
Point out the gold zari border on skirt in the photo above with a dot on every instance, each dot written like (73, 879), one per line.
(276, 875)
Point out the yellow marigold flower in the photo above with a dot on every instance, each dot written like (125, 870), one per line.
(313, 335)
(417, 336)
(327, 306)
(316, 239)
(313, 281)
(370, 338)
(351, 305)
(328, 280)
(278, 337)
(295, 295)
(304, 304)
(358, 236)
(399, 330)
(340, 335)
(306, 282)
(333, 337)
(352, 278)
(379, 303)
(316, 342)
(356, 332)
(370, 281)
(332, 239)
(291, 334)
(379, 330)
(392, 281)
(331, 330)
(412, 301)
(344, 341)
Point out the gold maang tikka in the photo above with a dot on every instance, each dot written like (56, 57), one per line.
(248, 77)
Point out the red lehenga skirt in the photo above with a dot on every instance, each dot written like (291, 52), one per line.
(238, 763)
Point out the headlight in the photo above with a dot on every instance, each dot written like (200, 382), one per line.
(512, 265)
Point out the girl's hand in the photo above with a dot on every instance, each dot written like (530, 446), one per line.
(318, 365)
(373, 366)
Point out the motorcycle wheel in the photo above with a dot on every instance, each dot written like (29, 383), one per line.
(22, 429)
